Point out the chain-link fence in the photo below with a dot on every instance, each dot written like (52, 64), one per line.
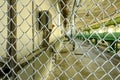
(59, 40)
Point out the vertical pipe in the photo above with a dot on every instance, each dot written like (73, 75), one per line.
(33, 17)
(11, 37)
(74, 9)
(72, 19)
(76, 4)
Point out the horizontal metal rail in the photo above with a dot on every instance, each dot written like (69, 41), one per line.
(105, 36)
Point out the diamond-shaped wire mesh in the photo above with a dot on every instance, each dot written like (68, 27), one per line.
(59, 40)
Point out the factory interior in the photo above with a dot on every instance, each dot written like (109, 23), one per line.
(60, 40)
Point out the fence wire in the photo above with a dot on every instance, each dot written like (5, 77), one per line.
(59, 40)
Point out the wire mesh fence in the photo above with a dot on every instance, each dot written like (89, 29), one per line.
(59, 40)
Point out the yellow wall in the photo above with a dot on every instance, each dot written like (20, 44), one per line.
(24, 34)
(3, 27)
(24, 25)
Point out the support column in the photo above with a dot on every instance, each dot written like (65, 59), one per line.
(11, 37)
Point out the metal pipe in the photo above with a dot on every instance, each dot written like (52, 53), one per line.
(74, 10)
(33, 17)
(33, 29)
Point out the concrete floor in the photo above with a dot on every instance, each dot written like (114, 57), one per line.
(85, 63)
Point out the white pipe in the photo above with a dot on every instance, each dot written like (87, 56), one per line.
(75, 6)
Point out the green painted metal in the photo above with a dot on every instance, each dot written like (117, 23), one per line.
(113, 21)
(106, 36)
(109, 37)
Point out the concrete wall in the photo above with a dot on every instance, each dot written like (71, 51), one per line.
(3, 27)
(24, 25)
(42, 64)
